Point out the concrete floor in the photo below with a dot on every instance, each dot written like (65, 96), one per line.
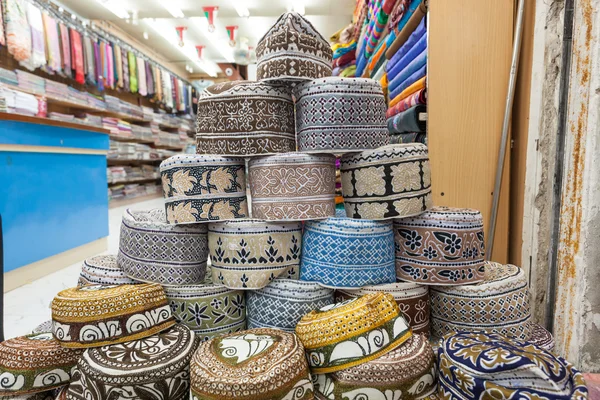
(28, 306)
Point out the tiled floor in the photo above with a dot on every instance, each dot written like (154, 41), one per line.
(28, 306)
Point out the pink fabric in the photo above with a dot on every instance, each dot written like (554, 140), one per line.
(111, 68)
(66, 49)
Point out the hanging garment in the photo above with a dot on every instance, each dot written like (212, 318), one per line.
(52, 43)
(168, 89)
(38, 48)
(149, 79)
(119, 65)
(133, 76)
(90, 61)
(77, 56)
(125, 67)
(158, 84)
(98, 62)
(110, 64)
(174, 91)
(141, 69)
(66, 50)
(18, 34)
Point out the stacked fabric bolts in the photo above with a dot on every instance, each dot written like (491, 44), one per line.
(155, 322)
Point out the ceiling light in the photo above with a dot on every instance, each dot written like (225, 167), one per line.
(298, 6)
(73, 16)
(145, 35)
(217, 38)
(172, 7)
(113, 6)
(60, 10)
(191, 70)
(164, 29)
(241, 9)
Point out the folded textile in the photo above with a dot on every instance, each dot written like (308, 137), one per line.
(361, 63)
(336, 71)
(418, 85)
(419, 97)
(418, 74)
(414, 52)
(380, 26)
(345, 59)
(379, 55)
(414, 5)
(380, 71)
(408, 27)
(341, 49)
(349, 72)
(412, 137)
(408, 121)
(414, 65)
(384, 83)
(397, 13)
(411, 42)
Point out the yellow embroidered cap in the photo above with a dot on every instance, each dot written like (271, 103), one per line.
(353, 332)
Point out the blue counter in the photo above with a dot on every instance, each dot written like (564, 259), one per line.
(54, 195)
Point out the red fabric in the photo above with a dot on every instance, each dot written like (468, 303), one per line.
(345, 59)
(419, 97)
(77, 56)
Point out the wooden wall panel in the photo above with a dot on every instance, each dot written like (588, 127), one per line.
(470, 45)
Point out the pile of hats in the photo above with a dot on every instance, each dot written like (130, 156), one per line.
(296, 303)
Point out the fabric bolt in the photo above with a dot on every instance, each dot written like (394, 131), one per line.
(413, 78)
(141, 68)
(34, 363)
(413, 8)
(151, 250)
(282, 303)
(378, 56)
(499, 304)
(99, 69)
(245, 118)
(111, 63)
(258, 364)
(408, 121)
(103, 270)
(419, 97)
(52, 43)
(414, 51)
(77, 56)
(208, 310)
(133, 74)
(413, 66)
(416, 42)
(341, 49)
(379, 73)
(18, 34)
(344, 59)
(98, 315)
(293, 50)
(292, 186)
(347, 253)
(349, 72)
(38, 47)
(203, 188)
(65, 50)
(540, 337)
(397, 13)
(248, 254)
(442, 246)
(411, 137)
(413, 301)
(478, 366)
(344, 335)
(393, 181)
(118, 57)
(153, 368)
(418, 85)
(340, 115)
(407, 372)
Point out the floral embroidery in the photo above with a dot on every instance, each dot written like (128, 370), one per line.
(372, 210)
(166, 184)
(347, 183)
(223, 210)
(182, 182)
(370, 181)
(426, 174)
(182, 212)
(408, 206)
(221, 179)
(406, 177)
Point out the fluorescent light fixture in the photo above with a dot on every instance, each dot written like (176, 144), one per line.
(113, 6)
(217, 38)
(241, 9)
(164, 29)
(298, 6)
(172, 7)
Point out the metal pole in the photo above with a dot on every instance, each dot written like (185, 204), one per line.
(505, 125)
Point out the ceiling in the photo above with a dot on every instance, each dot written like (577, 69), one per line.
(328, 16)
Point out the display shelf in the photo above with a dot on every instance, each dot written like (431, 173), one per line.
(58, 101)
(132, 161)
(163, 126)
(124, 117)
(127, 181)
(165, 147)
(128, 202)
(51, 122)
(131, 140)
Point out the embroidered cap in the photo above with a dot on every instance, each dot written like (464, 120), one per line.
(103, 270)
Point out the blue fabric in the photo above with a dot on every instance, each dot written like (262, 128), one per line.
(410, 69)
(407, 14)
(410, 43)
(413, 53)
(350, 253)
(407, 121)
(361, 64)
(411, 79)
